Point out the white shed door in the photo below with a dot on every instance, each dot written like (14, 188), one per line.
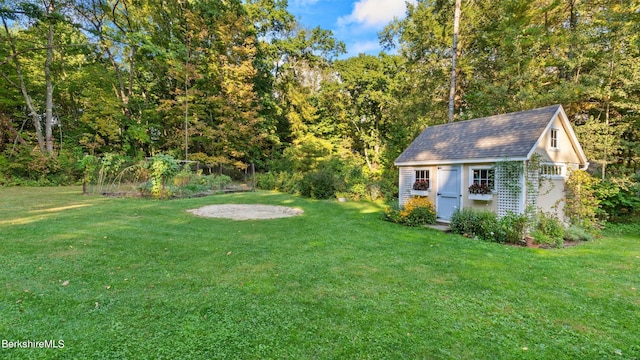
(449, 195)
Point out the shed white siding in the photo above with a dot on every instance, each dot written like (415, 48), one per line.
(406, 182)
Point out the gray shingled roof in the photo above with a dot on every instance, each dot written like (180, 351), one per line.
(496, 137)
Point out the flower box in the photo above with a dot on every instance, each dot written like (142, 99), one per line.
(481, 197)
(419, 192)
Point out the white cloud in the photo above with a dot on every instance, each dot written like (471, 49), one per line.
(374, 13)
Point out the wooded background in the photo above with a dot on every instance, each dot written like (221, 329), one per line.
(237, 82)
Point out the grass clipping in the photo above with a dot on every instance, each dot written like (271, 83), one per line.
(246, 211)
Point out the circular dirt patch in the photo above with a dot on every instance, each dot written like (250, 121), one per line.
(246, 211)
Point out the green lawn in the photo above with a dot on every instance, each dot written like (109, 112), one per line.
(146, 279)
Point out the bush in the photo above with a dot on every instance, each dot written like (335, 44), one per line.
(392, 213)
(358, 191)
(319, 184)
(549, 230)
(543, 239)
(419, 210)
(464, 221)
(512, 227)
(574, 233)
(24, 165)
(416, 212)
(375, 191)
(266, 181)
(487, 226)
(161, 168)
(619, 198)
(283, 181)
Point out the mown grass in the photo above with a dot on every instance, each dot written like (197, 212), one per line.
(146, 279)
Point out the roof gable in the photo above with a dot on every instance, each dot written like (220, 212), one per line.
(493, 138)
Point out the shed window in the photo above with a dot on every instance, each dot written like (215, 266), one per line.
(422, 180)
(483, 177)
(554, 139)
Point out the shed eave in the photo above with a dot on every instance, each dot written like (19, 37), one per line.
(458, 161)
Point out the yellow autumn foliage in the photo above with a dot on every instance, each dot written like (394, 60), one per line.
(417, 202)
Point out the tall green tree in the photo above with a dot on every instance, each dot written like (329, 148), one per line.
(517, 55)
(363, 96)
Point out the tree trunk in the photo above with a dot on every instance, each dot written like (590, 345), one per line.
(454, 54)
(48, 123)
(35, 117)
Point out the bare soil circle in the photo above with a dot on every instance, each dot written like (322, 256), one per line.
(246, 211)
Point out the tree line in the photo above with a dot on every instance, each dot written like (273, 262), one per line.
(236, 82)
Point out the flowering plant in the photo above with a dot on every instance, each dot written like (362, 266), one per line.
(477, 188)
(421, 185)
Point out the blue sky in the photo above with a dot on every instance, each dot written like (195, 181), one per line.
(355, 22)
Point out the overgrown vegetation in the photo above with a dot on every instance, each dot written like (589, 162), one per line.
(160, 176)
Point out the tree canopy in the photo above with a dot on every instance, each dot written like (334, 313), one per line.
(237, 82)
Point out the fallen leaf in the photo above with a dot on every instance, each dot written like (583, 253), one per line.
(97, 305)
(108, 287)
(65, 283)
(19, 301)
(229, 253)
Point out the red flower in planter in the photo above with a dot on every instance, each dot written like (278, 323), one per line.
(481, 189)
(421, 185)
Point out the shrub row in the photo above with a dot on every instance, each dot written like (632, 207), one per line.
(487, 226)
(24, 166)
(323, 183)
(544, 228)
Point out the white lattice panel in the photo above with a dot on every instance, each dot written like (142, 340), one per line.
(533, 177)
(508, 199)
